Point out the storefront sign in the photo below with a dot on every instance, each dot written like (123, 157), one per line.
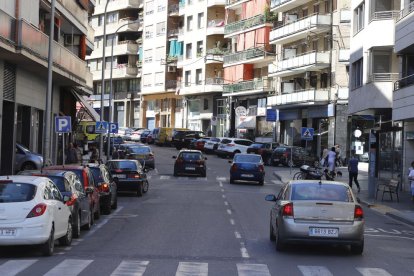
(241, 111)
(271, 115)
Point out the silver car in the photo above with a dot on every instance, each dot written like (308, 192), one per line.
(27, 160)
(308, 211)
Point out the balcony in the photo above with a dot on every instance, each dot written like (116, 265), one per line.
(210, 85)
(215, 55)
(245, 25)
(118, 5)
(174, 10)
(384, 15)
(375, 95)
(310, 96)
(248, 87)
(254, 55)
(129, 24)
(173, 33)
(300, 29)
(118, 72)
(403, 100)
(344, 55)
(215, 27)
(234, 4)
(313, 61)
(212, 3)
(126, 47)
(285, 5)
(404, 29)
(8, 28)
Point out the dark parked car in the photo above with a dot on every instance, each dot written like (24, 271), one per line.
(183, 138)
(263, 149)
(281, 155)
(190, 162)
(144, 136)
(69, 185)
(143, 154)
(106, 186)
(129, 175)
(247, 167)
(86, 177)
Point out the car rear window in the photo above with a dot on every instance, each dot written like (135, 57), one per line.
(215, 139)
(16, 192)
(324, 192)
(79, 175)
(257, 146)
(280, 149)
(248, 158)
(123, 165)
(59, 182)
(96, 172)
(225, 141)
(140, 150)
(190, 156)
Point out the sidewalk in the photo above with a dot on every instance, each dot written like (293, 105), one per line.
(402, 211)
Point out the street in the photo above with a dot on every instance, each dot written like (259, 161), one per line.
(206, 226)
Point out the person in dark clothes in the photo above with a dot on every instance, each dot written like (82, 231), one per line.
(71, 155)
(353, 170)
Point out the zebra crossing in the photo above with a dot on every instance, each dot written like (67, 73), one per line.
(224, 179)
(74, 267)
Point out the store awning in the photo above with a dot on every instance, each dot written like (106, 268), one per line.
(88, 108)
(247, 122)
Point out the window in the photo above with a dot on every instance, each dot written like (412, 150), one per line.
(327, 7)
(316, 8)
(159, 53)
(160, 28)
(200, 21)
(159, 78)
(151, 105)
(188, 51)
(187, 78)
(199, 76)
(359, 18)
(326, 43)
(134, 85)
(315, 45)
(261, 103)
(381, 61)
(357, 73)
(189, 23)
(161, 7)
(221, 107)
(199, 48)
(324, 80)
(305, 12)
(111, 38)
(149, 9)
(121, 86)
(148, 56)
(205, 104)
(189, 2)
(147, 80)
(112, 17)
(149, 31)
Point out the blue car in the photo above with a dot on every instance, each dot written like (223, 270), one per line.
(249, 167)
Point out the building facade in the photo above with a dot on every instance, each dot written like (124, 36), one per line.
(310, 72)
(24, 37)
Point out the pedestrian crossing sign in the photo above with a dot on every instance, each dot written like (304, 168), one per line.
(101, 127)
(307, 133)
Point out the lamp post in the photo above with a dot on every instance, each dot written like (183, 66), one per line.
(111, 112)
(292, 125)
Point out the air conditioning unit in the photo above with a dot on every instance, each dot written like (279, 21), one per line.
(171, 69)
(72, 40)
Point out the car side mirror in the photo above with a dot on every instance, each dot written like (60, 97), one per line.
(230, 161)
(174, 157)
(66, 199)
(270, 198)
(89, 190)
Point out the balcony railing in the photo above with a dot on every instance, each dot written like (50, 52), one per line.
(173, 32)
(383, 77)
(246, 55)
(409, 9)
(75, 10)
(302, 96)
(214, 81)
(256, 84)
(170, 84)
(231, 2)
(276, 3)
(173, 9)
(404, 82)
(306, 59)
(301, 24)
(385, 15)
(8, 26)
(245, 24)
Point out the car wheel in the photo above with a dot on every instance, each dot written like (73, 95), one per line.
(280, 246)
(97, 214)
(77, 226)
(261, 182)
(357, 249)
(28, 166)
(175, 173)
(204, 173)
(66, 240)
(139, 190)
(107, 206)
(48, 247)
(88, 226)
(231, 180)
(145, 186)
(272, 236)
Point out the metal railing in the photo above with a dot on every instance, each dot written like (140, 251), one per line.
(303, 95)
(404, 82)
(256, 84)
(7, 26)
(245, 24)
(246, 55)
(215, 23)
(409, 9)
(383, 77)
(305, 59)
(276, 3)
(385, 15)
(214, 81)
(173, 9)
(171, 84)
(173, 32)
(231, 2)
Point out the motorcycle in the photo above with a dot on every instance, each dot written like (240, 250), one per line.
(315, 173)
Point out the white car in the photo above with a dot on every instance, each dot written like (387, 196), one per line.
(211, 145)
(125, 133)
(231, 146)
(33, 212)
(136, 135)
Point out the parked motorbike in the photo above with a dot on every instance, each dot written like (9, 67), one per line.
(315, 173)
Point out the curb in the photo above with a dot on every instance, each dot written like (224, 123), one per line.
(400, 218)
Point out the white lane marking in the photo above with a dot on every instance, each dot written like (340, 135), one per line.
(367, 271)
(243, 250)
(221, 184)
(67, 248)
(222, 190)
(226, 203)
(69, 267)
(232, 221)
(223, 196)
(192, 269)
(156, 171)
(389, 236)
(103, 222)
(237, 234)
(220, 178)
(13, 267)
(165, 177)
(229, 211)
(130, 268)
(253, 269)
(149, 176)
(276, 182)
(314, 270)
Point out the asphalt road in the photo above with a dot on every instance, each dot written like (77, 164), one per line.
(205, 226)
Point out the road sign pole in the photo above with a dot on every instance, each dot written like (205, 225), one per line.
(63, 147)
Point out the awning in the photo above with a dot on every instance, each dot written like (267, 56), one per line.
(247, 122)
(88, 108)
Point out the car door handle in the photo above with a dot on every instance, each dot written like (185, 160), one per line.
(60, 208)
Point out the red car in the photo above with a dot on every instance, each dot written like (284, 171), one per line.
(86, 177)
(199, 143)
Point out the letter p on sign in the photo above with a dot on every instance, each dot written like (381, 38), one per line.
(63, 124)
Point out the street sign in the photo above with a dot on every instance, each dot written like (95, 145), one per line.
(63, 124)
(240, 111)
(270, 115)
(213, 121)
(101, 127)
(307, 133)
(113, 127)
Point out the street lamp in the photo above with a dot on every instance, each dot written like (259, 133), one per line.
(111, 112)
(292, 126)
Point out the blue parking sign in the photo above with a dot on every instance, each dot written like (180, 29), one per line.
(63, 124)
(113, 127)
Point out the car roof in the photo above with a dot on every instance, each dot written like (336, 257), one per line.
(34, 180)
(189, 150)
(65, 167)
(318, 182)
(247, 154)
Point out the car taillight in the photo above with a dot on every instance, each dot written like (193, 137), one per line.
(72, 200)
(37, 211)
(286, 154)
(118, 170)
(234, 168)
(200, 162)
(104, 187)
(134, 176)
(287, 210)
(179, 161)
(261, 168)
(231, 145)
(260, 151)
(150, 156)
(358, 213)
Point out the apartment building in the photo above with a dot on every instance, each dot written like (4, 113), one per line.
(162, 105)
(374, 70)
(200, 67)
(124, 28)
(403, 96)
(24, 37)
(246, 82)
(310, 72)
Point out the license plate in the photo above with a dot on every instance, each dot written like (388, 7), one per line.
(7, 232)
(119, 175)
(323, 232)
(247, 175)
(276, 160)
(190, 168)
(141, 156)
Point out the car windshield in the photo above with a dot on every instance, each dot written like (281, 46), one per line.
(141, 150)
(96, 172)
(59, 182)
(225, 141)
(190, 156)
(122, 165)
(324, 192)
(24, 148)
(247, 158)
(257, 146)
(79, 175)
(16, 192)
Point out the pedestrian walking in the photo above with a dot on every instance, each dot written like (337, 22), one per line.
(331, 160)
(338, 152)
(411, 178)
(324, 162)
(353, 170)
(71, 156)
(78, 152)
(94, 154)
